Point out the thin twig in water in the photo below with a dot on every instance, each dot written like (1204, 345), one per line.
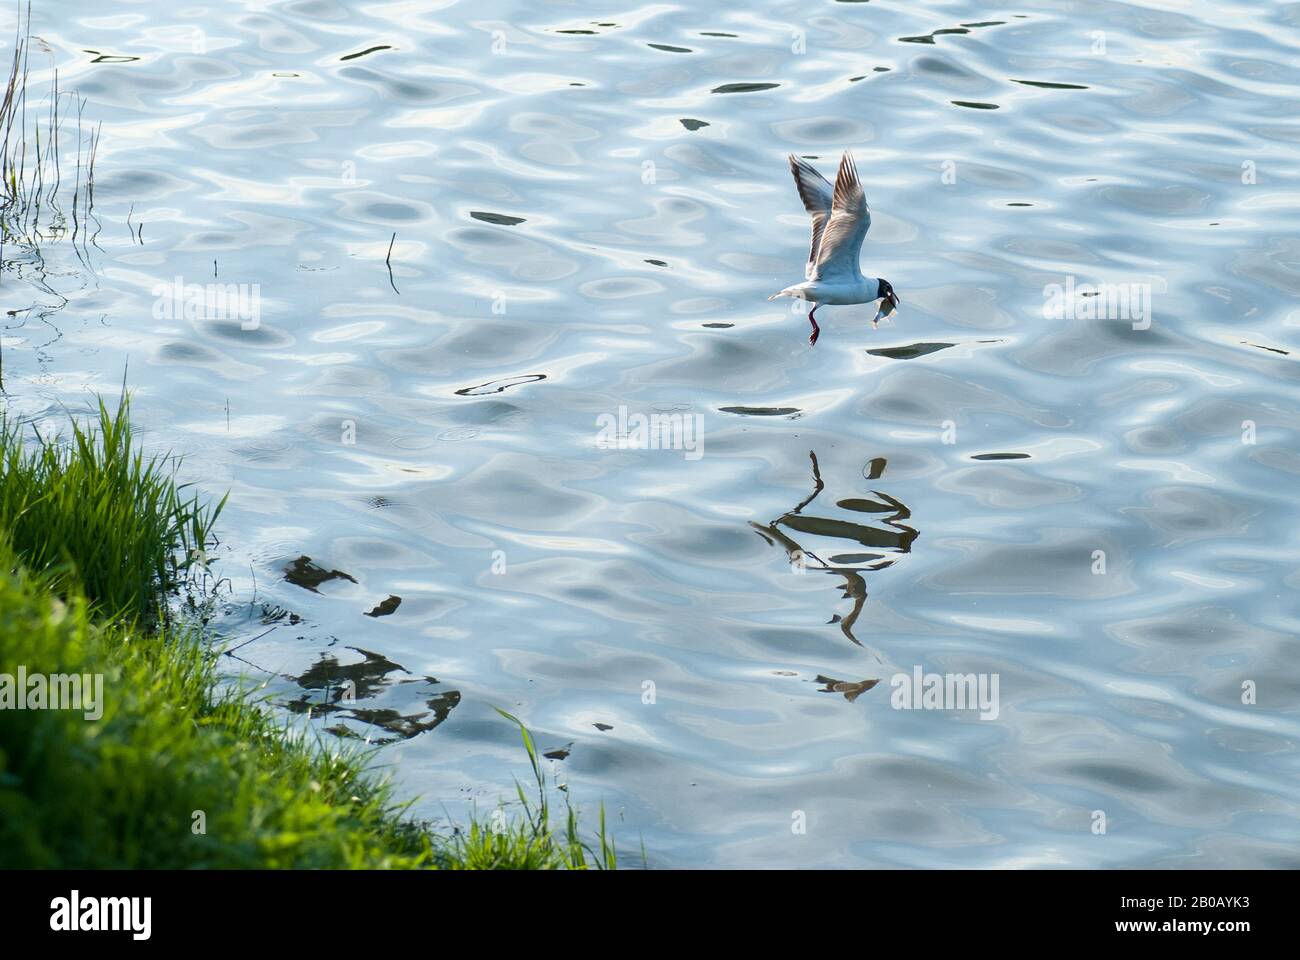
(389, 261)
(231, 651)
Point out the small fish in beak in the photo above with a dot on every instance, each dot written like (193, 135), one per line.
(888, 302)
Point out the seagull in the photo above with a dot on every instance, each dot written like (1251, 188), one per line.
(840, 221)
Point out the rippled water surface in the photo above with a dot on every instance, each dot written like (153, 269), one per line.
(584, 208)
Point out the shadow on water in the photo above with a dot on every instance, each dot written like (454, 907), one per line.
(374, 692)
(334, 688)
(306, 573)
(892, 538)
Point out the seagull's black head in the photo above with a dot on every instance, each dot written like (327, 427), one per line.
(887, 293)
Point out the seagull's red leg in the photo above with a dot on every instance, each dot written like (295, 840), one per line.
(812, 318)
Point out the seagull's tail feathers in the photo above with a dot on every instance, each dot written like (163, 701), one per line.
(781, 293)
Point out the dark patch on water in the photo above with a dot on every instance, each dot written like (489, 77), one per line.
(184, 352)
(670, 49)
(744, 87)
(865, 505)
(559, 753)
(790, 412)
(929, 37)
(975, 104)
(909, 352)
(369, 50)
(603, 726)
(398, 212)
(304, 573)
(1051, 86)
(1000, 456)
(855, 559)
(499, 218)
(499, 386)
(386, 608)
(693, 125)
(963, 29)
(334, 688)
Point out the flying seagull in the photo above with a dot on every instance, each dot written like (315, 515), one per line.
(840, 221)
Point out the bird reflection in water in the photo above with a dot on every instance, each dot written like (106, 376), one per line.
(891, 538)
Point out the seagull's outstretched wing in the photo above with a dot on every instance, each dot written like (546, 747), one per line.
(817, 195)
(841, 240)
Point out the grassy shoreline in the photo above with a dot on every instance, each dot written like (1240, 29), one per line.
(176, 771)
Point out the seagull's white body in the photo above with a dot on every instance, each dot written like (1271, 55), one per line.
(842, 292)
(840, 221)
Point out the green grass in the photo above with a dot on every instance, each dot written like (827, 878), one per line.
(530, 843)
(93, 537)
(94, 512)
